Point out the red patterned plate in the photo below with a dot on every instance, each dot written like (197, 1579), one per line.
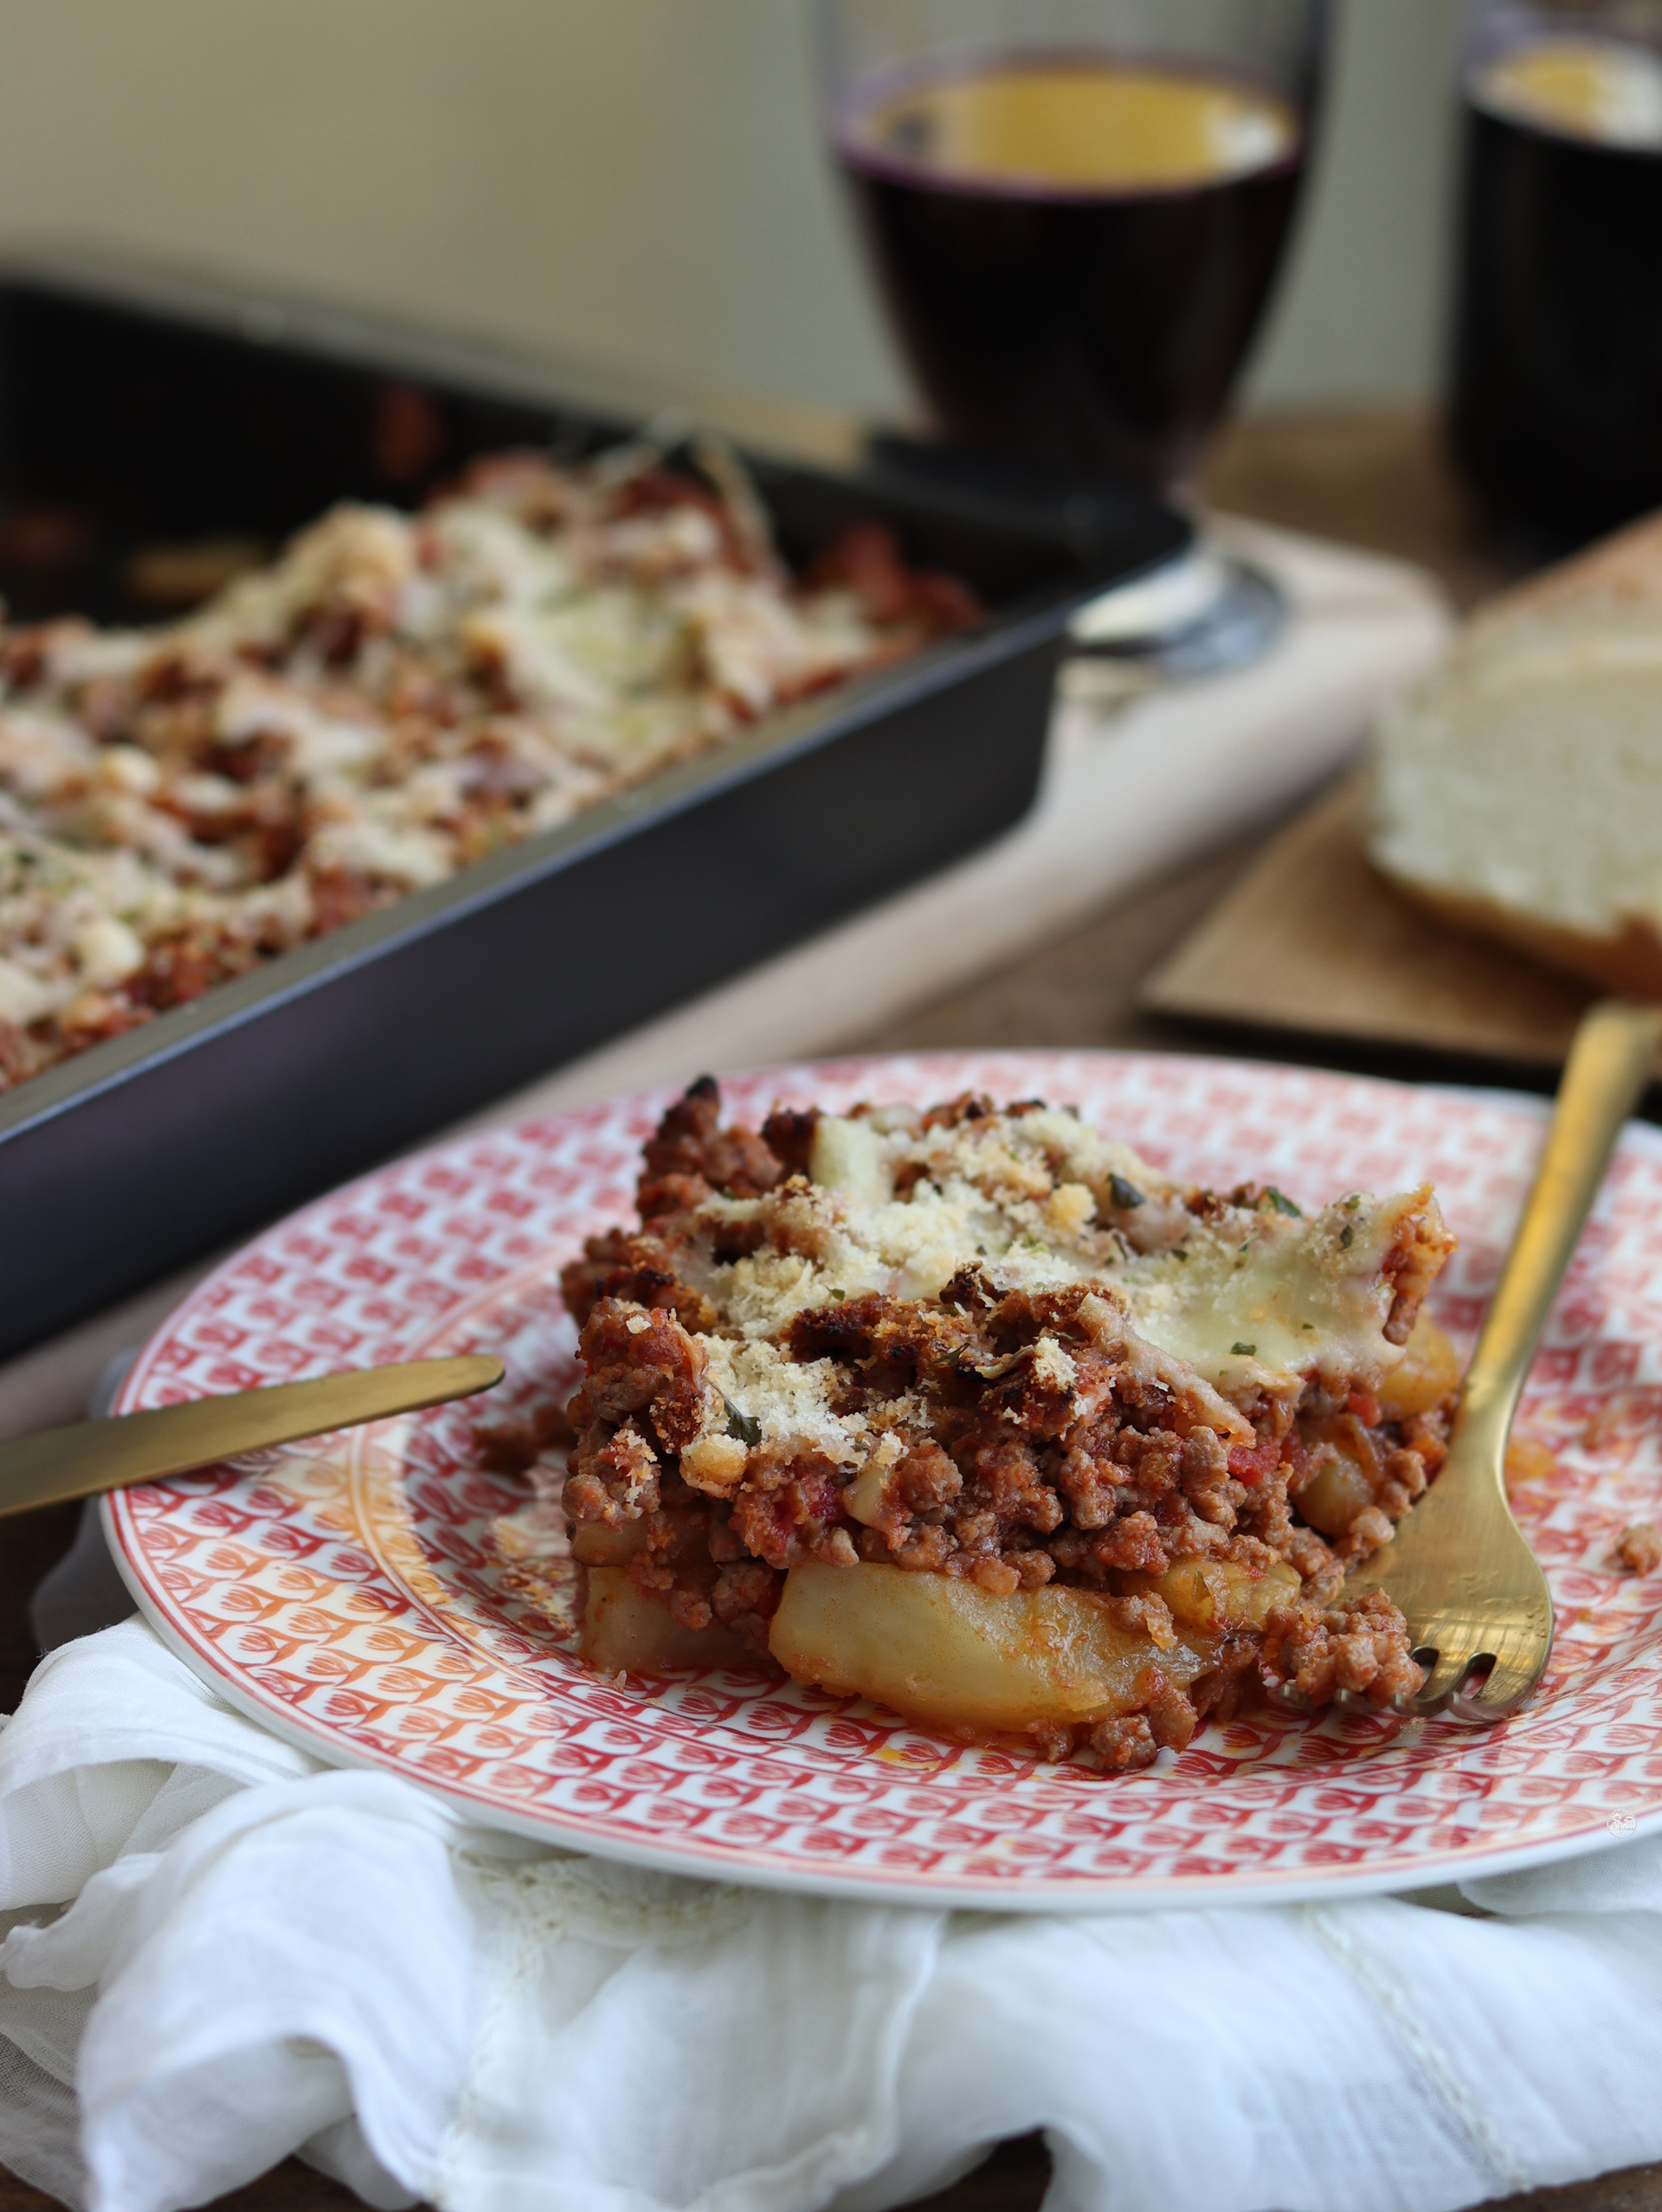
(373, 1598)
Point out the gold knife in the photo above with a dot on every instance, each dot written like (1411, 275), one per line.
(88, 1457)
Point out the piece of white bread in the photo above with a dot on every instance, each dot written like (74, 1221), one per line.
(1518, 790)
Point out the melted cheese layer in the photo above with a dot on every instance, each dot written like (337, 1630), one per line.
(1253, 1298)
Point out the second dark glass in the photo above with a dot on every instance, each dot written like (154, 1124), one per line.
(1555, 399)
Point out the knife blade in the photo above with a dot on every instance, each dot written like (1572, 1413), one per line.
(88, 1457)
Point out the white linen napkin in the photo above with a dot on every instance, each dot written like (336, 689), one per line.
(218, 1952)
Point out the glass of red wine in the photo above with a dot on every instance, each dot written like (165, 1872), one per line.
(1075, 211)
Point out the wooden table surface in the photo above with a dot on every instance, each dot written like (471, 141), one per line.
(1378, 480)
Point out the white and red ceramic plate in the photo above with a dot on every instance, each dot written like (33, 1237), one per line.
(360, 1596)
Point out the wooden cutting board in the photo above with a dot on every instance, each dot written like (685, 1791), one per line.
(1311, 939)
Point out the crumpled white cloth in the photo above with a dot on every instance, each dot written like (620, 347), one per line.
(218, 1951)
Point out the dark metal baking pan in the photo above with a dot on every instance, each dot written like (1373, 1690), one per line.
(127, 418)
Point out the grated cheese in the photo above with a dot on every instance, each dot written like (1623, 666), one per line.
(1249, 1297)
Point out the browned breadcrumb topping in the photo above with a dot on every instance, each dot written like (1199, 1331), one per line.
(1016, 1436)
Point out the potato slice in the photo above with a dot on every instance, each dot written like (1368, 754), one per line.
(1336, 1493)
(594, 1544)
(1252, 1597)
(627, 1630)
(1428, 1370)
(949, 1655)
(1207, 1597)
(1343, 1474)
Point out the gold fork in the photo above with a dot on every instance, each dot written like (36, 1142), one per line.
(91, 1456)
(1467, 1583)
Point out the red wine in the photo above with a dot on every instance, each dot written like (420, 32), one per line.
(1075, 252)
(1555, 408)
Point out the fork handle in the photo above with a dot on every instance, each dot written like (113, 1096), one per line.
(1603, 1078)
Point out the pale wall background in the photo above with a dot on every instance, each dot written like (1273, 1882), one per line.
(639, 181)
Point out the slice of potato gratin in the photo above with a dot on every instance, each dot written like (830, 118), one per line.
(974, 1413)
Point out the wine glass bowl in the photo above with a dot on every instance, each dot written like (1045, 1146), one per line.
(1074, 210)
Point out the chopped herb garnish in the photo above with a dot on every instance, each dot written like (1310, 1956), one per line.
(1347, 1235)
(1306, 1324)
(1243, 1247)
(834, 1293)
(1281, 1203)
(1125, 1194)
(744, 1426)
(1179, 1253)
(1246, 1350)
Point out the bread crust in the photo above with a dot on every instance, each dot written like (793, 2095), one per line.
(1622, 574)
(1629, 964)
(1625, 571)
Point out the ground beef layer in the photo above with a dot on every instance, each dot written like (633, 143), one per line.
(1009, 1434)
